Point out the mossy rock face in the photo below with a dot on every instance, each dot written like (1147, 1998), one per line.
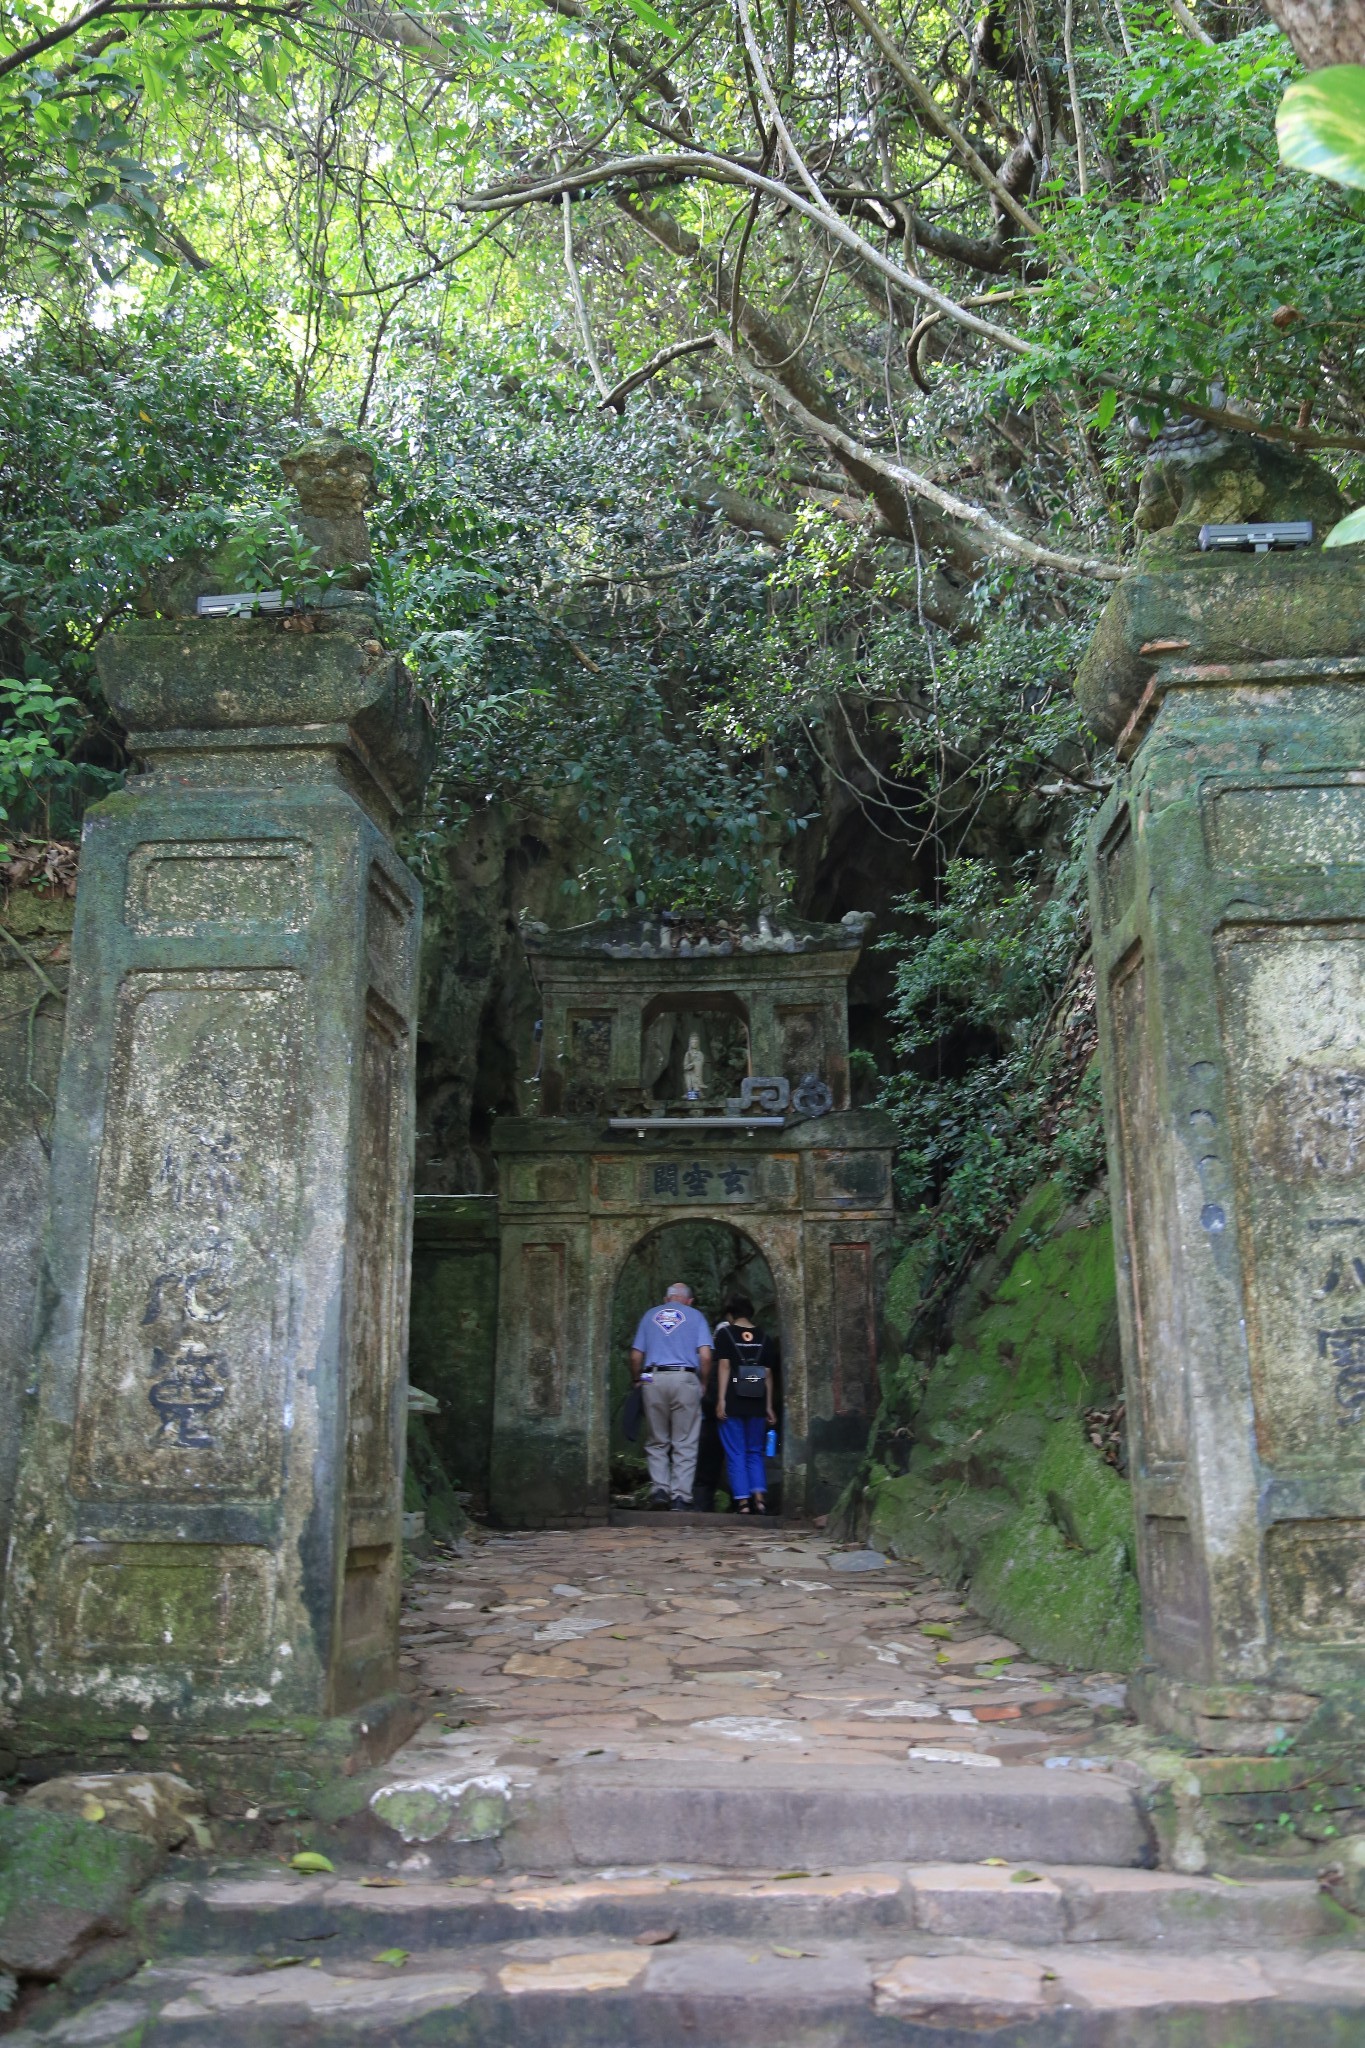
(63, 1883)
(1004, 1490)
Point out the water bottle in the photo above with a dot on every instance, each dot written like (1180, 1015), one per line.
(770, 1444)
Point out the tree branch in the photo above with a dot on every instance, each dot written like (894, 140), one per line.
(658, 362)
(720, 170)
(939, 122)
(922, 487)
(604, 389)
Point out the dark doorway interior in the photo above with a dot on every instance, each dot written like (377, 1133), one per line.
(715, 1259)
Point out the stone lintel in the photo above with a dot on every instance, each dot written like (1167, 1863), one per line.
(455, 1219)
(861, 1129)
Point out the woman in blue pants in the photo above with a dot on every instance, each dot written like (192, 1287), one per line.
(744, 1402)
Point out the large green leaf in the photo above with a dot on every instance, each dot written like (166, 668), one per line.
(1347, 530)
(1321, 124)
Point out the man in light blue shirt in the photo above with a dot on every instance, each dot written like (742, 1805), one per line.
(670, 1362)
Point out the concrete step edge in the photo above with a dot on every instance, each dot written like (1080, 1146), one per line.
(1103, 1996)
(1016, 1902)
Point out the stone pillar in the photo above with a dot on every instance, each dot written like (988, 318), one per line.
(1228, 897)
(207, 1529)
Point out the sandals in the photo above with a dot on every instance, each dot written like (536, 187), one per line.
(742, 1507)
(760, 1504)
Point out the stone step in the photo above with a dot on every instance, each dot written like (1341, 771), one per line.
(270, 1915)
(749, 1815)
(816, 1993)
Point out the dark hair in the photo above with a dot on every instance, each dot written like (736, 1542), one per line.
(741, 1306)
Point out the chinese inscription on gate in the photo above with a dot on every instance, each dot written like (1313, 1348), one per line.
(697, 1180)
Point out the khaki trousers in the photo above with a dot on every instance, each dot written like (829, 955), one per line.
(673, 1413)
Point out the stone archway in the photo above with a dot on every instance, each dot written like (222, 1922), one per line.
(608, 1158)
(716, 1257)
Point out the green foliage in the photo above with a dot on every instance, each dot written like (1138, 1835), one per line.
(1321, 124)
(561, 611)
(991, 1097)
(41, 785)
(1348, 531)
(1179, 295)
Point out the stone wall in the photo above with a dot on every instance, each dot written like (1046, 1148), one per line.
(453, 1336)
(33, 962)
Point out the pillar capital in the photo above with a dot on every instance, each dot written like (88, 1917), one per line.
(307, 696)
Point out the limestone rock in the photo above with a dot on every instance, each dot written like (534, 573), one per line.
(1344, 1879)
(460, 1809)
(1180, 605)
(157, 1804)
(63, 1885)
(1197, 474)
(333, 479)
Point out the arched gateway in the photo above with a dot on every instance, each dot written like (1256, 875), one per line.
(691, 1070)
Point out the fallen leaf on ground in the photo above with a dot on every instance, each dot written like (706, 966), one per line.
(996, 1862)
(91, 1810)
(281, 1962)
(394, 1957)
(793, 1952)
(1219, 1878)
(654, 1937)
(939, 1629)
(783, 1875)
(1026, 1877)
(309, 1860)
(376, 1882)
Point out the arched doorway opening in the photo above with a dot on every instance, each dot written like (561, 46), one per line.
(716, 1260)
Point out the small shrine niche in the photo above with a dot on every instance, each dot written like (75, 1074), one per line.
(671, 1015)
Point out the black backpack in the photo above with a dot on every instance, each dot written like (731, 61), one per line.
(748, 1376)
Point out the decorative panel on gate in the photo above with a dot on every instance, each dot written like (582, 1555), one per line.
(187, 1306)
(855, 1329)
(1294, 1005)
(374, 1254)
(1162, 1380)
(543, 1292)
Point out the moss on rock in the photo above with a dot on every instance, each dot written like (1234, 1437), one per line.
(1004, 1490)
(63, 1883)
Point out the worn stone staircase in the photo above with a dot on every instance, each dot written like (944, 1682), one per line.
(920, 1905)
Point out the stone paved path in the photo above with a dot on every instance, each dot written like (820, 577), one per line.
(643, 1644)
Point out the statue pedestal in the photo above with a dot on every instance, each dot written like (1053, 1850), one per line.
(1228, 894)
(207, 1532)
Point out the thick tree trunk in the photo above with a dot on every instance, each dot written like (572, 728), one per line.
(1322, 31)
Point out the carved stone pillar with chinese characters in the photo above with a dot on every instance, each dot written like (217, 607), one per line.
(207, 1536)
(1228, 892)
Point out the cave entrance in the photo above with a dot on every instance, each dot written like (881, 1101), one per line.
(716, 1259)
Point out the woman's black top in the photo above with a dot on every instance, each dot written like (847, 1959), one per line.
(747, 1355)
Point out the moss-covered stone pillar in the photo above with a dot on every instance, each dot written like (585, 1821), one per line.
(1228, 896)
(207, 1529)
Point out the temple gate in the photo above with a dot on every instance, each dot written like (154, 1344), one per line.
(692, 1070)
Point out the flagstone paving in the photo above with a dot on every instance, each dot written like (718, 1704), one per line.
(642, 1644)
